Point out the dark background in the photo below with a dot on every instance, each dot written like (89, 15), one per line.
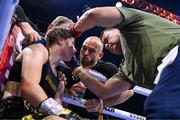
(42, 12)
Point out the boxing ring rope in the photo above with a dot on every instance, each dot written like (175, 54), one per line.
(142, 91)
(136, 89)
(108, 110)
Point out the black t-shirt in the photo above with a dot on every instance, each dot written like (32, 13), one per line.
(108, 70)
(105, 68)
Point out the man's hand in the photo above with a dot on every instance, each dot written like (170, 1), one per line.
(61, 87)
(29, 33)
(77, 88)
(14, 17)
(31, 36)
(93, 105)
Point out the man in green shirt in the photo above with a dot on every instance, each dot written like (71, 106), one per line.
(145, 40)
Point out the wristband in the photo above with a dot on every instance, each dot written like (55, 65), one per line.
(75, 33)
(76, 71)
(51, 107)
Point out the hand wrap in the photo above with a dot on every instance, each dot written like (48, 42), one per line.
(51, 107)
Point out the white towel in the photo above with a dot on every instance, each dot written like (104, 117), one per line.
(168, 59)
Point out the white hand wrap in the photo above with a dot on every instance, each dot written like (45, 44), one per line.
(50, 106)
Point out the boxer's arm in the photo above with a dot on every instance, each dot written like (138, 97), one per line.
(33, 58)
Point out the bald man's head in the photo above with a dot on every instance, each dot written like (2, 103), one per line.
(95, 41)
(91, 51)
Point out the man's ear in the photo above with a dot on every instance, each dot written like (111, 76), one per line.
(59, 42)
(101, 55)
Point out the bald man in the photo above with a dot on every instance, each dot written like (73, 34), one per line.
(90, 57)
(91, 54)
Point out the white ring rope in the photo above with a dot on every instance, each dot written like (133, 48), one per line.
(142, 91)
(108, 110)
(136, 89)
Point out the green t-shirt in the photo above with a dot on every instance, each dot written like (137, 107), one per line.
(145, 39)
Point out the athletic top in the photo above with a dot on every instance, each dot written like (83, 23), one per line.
(49, 82)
